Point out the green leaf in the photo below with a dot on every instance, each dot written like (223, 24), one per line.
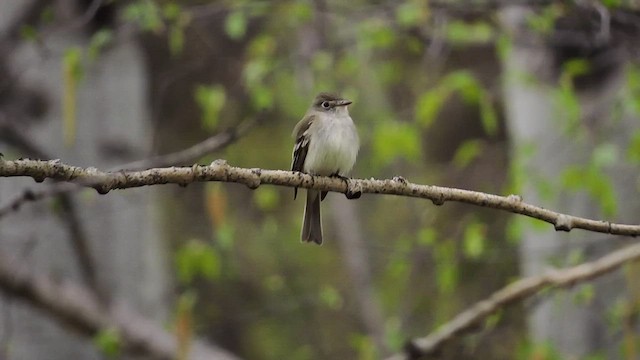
(514, 230)
(474, 240)
(605, 155)
(225, 234)
(447, 270)
(466, 84)
(429, 104)
(612, 4)
(376, 34)
(461, 32)
(576, 67)
(72, 61)
(211, 100)
(28, 33)
(171, 11)
(463, 82)
(255, 71)
(262, 45)
(392, 140)
(595, 182)
(492, 320)
(108, 342)
(504, 46)
(409, 14)
(322, 61)
(395, 335)
(262, 97)
(274, 283)
(195, 259)
(235, 25)
(364, 345)
(572, 178)
(98, 42)
(427, 237)
(145, 14)
(467, 152)
(47, 15)
(72, 74)
(331, 297)
(266, 198)
(633, 151)
(567, 101)
(298, 13)
(584, 294)
(544, 22)
(176, 39)
(488, 115)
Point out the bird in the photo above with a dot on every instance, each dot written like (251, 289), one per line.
(326, 144)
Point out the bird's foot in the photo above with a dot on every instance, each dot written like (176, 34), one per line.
(350, 193)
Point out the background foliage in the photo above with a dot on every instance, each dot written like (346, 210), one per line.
(426, 79)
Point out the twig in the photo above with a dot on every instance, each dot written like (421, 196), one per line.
(189, 155)
(219, 170)
(81, 311)
(513, 293)
(210, 145)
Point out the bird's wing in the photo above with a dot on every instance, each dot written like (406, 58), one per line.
(301, 146)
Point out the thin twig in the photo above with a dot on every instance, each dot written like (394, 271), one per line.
(189, 155)
(518, 291)
(219, 170)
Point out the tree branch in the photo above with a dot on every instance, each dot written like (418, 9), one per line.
(210, 145)
(189, 155)
(513, 293)
(80, 309)
(69, 214)
(219, 170)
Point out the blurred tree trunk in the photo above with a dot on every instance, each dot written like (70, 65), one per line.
(120, 231)
(537, 120)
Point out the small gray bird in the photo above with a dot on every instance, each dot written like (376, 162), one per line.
(327, 144)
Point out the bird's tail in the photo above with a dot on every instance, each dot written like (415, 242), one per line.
(312, 225)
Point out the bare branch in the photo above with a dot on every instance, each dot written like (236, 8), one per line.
(219, 170)
(189, 155)
(513, 293)
(81, 311)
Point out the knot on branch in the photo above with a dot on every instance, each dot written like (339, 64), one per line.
(400, 179)
(439, 199)
(514, 198)
(253, 181)
(563, 223)
(221, 165)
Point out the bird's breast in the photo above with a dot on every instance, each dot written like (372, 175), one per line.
(333, 149)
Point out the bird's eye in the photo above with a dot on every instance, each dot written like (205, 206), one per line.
(325, 104)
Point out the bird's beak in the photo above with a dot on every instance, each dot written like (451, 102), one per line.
(343, 102)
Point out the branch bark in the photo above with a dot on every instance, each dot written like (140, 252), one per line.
(219, 170)
(210, 145)
(78, 308)
(513, 293)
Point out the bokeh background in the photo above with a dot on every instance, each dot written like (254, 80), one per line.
(536, 98)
